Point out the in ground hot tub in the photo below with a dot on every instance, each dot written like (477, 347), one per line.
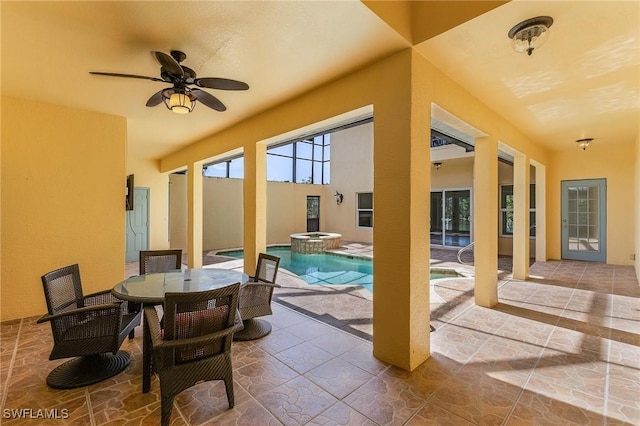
(314, 242)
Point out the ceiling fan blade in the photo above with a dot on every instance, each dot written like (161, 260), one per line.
(168, 63)
(156, 99)
(221, 83)
(209, 100)
(125, 75)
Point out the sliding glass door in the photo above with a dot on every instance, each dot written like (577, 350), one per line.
(451, 218)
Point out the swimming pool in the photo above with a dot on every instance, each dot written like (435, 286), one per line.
(324, 269)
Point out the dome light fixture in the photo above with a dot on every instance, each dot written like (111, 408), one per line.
(530, 34)
(584, 143)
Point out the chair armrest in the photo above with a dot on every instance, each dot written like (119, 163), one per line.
(100, 298)
(168, 344)
(153, 322)
(262, 283)
(106, 307)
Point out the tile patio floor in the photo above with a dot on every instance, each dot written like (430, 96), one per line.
(562, 348)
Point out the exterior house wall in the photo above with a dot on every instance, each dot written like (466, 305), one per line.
(286, 202)
(351, 173)
(63, 185)
(610, 160)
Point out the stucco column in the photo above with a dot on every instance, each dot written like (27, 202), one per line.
(255, 204)
(485, 221)
(541, 216)
(402, 181)
(194, 215)
(521, 191)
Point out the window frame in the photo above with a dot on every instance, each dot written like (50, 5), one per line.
(359, 210)
(506, 211)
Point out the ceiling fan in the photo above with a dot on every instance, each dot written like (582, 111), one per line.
(181, 98)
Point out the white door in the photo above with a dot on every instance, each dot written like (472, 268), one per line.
(137, 225)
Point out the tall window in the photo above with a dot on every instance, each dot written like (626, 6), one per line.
(365, 209)
(303, 161)
(506, 210)
(228, 168)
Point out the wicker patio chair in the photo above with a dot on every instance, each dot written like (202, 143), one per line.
(195, 344)
(160, 261)
(152, 261)
(90, 328)
(255, 298)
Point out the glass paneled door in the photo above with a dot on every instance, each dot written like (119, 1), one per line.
(451, 217)
(584, 220)
(313, 213)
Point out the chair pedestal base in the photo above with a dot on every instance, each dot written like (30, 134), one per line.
(254, 328)
(87, 370)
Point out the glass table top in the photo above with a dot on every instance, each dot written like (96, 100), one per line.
(151, 288)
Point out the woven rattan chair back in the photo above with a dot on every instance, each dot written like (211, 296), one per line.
(160, 261)
(189, 315)
(205, 321)
(267, 267)
(63, 289)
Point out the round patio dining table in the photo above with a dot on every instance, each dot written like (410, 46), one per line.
(150, 289)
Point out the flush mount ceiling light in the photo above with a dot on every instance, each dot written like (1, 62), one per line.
(530, 34)
(584, 143)
(437, 165)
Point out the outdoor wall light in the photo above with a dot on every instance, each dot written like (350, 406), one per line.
(530, 34)
(584, 143)
(437, 165)
(339, 197)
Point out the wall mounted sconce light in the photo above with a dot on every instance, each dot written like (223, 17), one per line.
(437, 165)
(584, 143)
(339, 197)
(530, 34)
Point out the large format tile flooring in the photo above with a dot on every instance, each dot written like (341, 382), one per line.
(562, 348)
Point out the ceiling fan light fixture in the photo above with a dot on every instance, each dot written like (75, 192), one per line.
(530, 34)
(584, 143)
(180, 102)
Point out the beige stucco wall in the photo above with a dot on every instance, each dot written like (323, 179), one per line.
(178, 211)
(600, 160)
(147, 176)
(637, 215)
(63, 182)
(287, 209)
(351, 173)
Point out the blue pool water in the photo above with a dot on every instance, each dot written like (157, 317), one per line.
(322, 269)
